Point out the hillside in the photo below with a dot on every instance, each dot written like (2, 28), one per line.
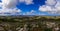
(41, 23)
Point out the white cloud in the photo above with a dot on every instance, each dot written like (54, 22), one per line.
(10, 10)
(27, 2)
(51, 6)
(50, 2)
(32, 12)
(42, 14)
(9, 3)
(9, 6)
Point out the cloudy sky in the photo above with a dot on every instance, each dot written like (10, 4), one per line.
(30, 7)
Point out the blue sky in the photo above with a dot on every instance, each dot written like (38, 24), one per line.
(35, 6)
(30, 7)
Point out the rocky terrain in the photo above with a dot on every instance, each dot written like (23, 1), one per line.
(29, 23)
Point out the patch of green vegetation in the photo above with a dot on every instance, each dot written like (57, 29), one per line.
(11, 23)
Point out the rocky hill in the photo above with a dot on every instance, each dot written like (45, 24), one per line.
(28, 23)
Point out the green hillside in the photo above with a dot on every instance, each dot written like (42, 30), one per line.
(33, 23)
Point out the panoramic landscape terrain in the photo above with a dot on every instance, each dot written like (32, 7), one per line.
(29, 15)
(29, 23)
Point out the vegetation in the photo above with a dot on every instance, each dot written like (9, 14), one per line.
(33, 23)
